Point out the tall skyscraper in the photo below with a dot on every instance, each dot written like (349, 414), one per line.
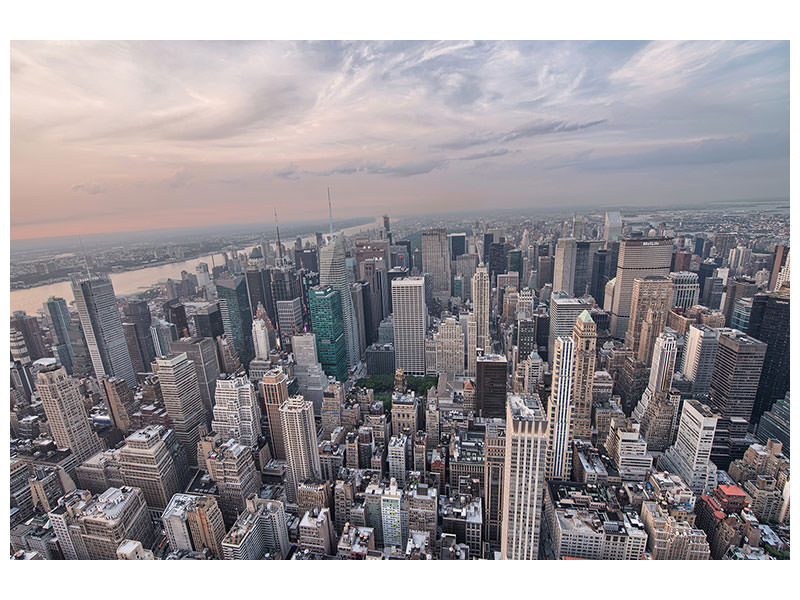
(58, 313)
(235, 303)
(564, 269)
(449, 341)
(564, 310)
(584, 335)
(736, 374)
(481, 297)
(613, 227)
(738, 287)
(651, 300)
(325, 303)
(202, 351)
(638, 258)
(410, 324)
(147, 462)
(560, 411)
(491, 384)
(699, 354)
(182, 400)
(685, 289)
(690, 455)
(120, 402)
(231, 466)
(102, 327)
(236, 411)
(524, 477)
(300, 437)
(66, 414)
(657, 409)
(769, 323)
(275, 391)
(494, 450)
(260, 339)
(333, 272)
(436, 260)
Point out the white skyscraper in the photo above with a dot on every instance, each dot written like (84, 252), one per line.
(564, 311)
(560, 409)
(449, 341)
(410, 324)
(260, 339)
(181, 393)
(699, 354)
(333, 272)
(481, 297)
(102, 327)
(523, 477)
(564, 269)
(685, 289)
(66, 414)
(300, 441)
(236, 412)
(690, 456)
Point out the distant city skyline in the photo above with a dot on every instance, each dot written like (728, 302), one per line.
(124, 136)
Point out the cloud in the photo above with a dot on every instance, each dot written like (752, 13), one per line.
(487, 154)
(529, 130)
(405, 169)
(89, 188)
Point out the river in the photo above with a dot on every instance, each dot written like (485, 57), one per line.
(130, 282)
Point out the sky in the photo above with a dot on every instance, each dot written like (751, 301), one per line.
(125, 136)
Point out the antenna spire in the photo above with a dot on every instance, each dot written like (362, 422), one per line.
(278, 231)
(330, 210)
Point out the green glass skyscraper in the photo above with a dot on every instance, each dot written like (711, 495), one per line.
(325, 304)
(236, 316)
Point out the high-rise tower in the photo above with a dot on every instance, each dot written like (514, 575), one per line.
(333, 272)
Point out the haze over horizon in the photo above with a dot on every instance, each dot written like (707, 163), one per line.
(123, 136)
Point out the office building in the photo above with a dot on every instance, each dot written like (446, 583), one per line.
(410, 324)
(300, 439)
(66, 413)
(181, 394)
(699, 354)
(449, 341)
(584, 335)
(690, 455)
(236, 316)
(231, 467)
(147, 461)
(236, 413)
(102, 327)
(685, 289)
(193, 523)
(769, 323)
(202, 351)
(92, 527)
(333, 273)
(638, 258)
(524, 477)
(325, 304)
(564, 269)
(478, 333)
(259, 530)
(491, 385)
(560, 411)
(564, 311)
(275, 391)
(651, 300)
(120, 402)
(436, 260)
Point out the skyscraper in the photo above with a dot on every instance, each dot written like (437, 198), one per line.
(102, 327)
(564, 269)
(232, 468)
(685, 289)
(491, 384)
(325, 303)
(182, 400)
(560, 409)
(56, 309)
(699, 354)
(690, 455)
(564, 310)
(275, 391)
(66, 415)
(119, 401)
(147, 462)
(333, 272)
(613, 227)
(524, 477)
(481, 292)
(638, 257)
(202, 351)
(260, 339)
(769, 323)
(449, 340)
(235, 303)
(651, 300)
(236, 411)
(300, 438)
(736, 374)
(436, 260)
(410, 324)
(584, 335)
